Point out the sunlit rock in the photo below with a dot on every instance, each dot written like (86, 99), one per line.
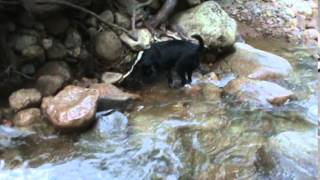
(72, 108)
(27, 117)
(208, 20)
(255, 64)
(24, 98)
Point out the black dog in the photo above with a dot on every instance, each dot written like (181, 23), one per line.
(181, 56)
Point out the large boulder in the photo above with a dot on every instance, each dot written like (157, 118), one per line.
(255, 64)
(27, 117)
(208, 20)
(296, 152)
(259, 93)
(108, 46)
(113, 97)
(24, 98)
(72, 108)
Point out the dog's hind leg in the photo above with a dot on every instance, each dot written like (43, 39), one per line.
(189, 77)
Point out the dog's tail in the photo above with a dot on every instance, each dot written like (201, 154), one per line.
(200, 40)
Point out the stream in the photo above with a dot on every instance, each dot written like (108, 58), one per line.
(171, 135)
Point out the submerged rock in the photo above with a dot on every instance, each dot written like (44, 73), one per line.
(24, 98)
(113, 97)
(59, 68)
(211, 92)
(296, 152)
(210, 21)
(260, 93)
(108, 46)
(27, 117)
(255, 64)
(49, 84)
(72, 108)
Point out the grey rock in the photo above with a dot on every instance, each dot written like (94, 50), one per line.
(24, 98)
(49, 84)
(108, 46)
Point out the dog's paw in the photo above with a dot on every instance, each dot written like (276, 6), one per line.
(188, 86)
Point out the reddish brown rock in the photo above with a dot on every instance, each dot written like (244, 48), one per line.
(72, 108)
(260, 93)
(24, 98)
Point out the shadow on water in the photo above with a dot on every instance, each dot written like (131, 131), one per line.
(173, 135)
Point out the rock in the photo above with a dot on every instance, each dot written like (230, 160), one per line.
(33, 52)
(107, 16)
(122, 20)
(110, 77)
(143, 42)
(47, 43)
(255, 64)
(296, 152)
(259, 93)
(59, 68)
(57, 52)
(112, 97)
(111, 123)
(108, 46)
(27, 117)
(72, 108)
(49, 84)
(24, 41)
(211, 92)
(208, 20)
(310, 34)
(24, 98)
(56, 24)
(73, 39)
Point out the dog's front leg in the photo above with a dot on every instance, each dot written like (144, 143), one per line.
(169, 77)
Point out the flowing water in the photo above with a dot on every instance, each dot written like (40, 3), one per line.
(174, 135)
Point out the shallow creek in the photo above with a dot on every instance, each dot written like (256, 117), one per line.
(171, 135)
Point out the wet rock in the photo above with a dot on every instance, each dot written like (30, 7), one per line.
(110, 77)
(57, 51)
(59, 68)
(56, 24)
(211, 92)
(108, 46)
(107, 16)
(27, 117)
(7, 135)
(296, 152)
(255, 64)
(112, 97)
(110, 122)
(33, 52)
(24, 41)
(122, 20)
(143, 42)
(24, 98)
(210, 21)
(49, 84)
(260, 93)
(72, 108)
(73, 39)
